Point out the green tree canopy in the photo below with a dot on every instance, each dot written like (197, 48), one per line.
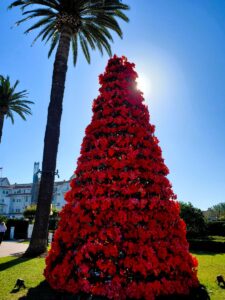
(29, 212)
(12, 101)
(193, 218)
(219, 210)
(88, 22)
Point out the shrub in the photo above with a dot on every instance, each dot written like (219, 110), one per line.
(21, 227)
(216, 228)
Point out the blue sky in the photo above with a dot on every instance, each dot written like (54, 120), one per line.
(178, 48)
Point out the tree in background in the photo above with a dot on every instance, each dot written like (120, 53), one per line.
(64, 23)
(218, 210)
(194, 219)
(120, 233)
(29, 212)
(3, 219)
(12, 101)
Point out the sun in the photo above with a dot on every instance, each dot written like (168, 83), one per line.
(143, 84)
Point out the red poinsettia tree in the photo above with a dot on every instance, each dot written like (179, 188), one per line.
(120, 234)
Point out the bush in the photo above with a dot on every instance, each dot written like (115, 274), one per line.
(194, 219)
(216, 228)
(3, 219)
(52, 224)
(29, 212)
(207, 246)
(21, 227)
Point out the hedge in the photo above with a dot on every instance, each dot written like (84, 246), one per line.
(21, 227)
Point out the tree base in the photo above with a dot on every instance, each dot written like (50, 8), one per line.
(199, 293)
(33, 252)
(44, 291)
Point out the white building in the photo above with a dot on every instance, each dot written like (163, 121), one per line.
(60, 188)
(14, 198)
(4, 199)
(19, 198)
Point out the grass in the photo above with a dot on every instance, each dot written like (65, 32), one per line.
(216, 238)
(213, 238)
(12, 268)
(211, 265)
(25, 242)
(31, 270)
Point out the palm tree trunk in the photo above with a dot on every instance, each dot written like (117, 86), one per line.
(1, 125)
(39, 239)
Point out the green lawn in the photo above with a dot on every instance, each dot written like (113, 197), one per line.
(216, 238)
(11, 268)
(211, 265)
(213, 238)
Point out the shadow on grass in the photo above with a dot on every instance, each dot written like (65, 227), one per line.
(14, 291)
(198, 252)
(222, 287)
(44, 292)
(208, 245)
(12, 263)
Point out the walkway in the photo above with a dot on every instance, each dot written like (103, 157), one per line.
(8, 248)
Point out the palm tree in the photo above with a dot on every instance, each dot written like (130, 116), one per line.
(64, 22)
(12, 101)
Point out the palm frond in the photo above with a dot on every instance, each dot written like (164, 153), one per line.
(12, 101)
(90, 22)
(10, 115)
(84, 47)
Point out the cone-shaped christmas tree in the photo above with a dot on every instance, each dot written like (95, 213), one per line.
(120, 234)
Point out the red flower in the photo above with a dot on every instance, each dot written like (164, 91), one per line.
(120, 235)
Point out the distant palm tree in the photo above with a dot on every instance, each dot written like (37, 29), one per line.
(12, 101)
(65, 22)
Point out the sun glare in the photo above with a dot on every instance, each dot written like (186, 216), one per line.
(143, 84)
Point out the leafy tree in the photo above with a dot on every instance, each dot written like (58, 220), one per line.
(12, 101)
(219, 210)
(3, 219)
(29, 212)
(193, 218)
(64, 22)
(54, 213)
